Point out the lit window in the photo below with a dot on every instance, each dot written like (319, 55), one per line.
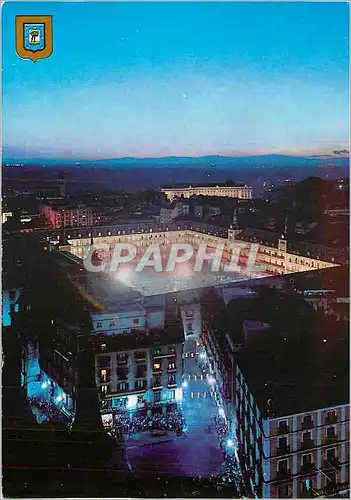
(157, 366)
(112, 323)
(103, 347)
(98, 325)
(171, 366)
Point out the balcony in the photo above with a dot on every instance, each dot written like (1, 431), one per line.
(157, 386)
(140, 387)
(171, 370)
(157, 372)
(331, 439)
(169, 354)
(283, 450)
(332, 463)
(104, 380)
(307, 468)
(123, 389)
(172, 385)
(283, 474)
(307, 444)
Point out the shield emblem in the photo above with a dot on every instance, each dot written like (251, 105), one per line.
(34, 37)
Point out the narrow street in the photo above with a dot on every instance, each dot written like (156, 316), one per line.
(197, 452)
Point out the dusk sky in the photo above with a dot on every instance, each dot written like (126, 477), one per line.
(183, 79)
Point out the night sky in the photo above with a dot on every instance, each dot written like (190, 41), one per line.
(183, 79)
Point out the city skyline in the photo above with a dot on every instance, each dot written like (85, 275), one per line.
(244, 79)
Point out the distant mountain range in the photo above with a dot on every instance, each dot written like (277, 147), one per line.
(258, 161)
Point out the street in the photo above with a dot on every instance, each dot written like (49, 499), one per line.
(198, 452)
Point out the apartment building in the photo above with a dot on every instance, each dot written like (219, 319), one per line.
(139, 372)
(67, 216)
(293, 455)
(293, 418)
(286, 400)
(242, 192)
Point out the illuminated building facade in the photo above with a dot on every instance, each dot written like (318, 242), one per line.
(67, 216)
(275, 257)
(241, 192)
(139, 371)
(292, 455)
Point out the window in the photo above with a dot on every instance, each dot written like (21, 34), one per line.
(157, 352)
(157, 397)
(104, 361)
(171, 350)
(122, 373)
(104, 389)
(122, 359)
(171, 379)
(190, 327)
(331, 417)
(331, 454)
(135, 321)
(99, 325)
(141, 371)
(156, 367)
(282, 443)
(103, 347)
(171, 395)
(140, 356)
(282, 466)
(307, 422)
(112, 323)
(171, 366)
(283, 426)
(306, 485)
(103, 375)
(331, 431)
(306, 436)
(307, 462)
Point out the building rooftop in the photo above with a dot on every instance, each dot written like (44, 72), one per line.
(202, 185)
(287, 376)
(171, 334)
(106, 293)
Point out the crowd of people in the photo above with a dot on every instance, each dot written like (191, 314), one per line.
(127, 425)
(49, 410)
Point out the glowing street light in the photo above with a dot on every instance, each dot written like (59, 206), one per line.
(230, 443)
(211, 380)
(185, 383)
(59, 399)
(44, 385)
